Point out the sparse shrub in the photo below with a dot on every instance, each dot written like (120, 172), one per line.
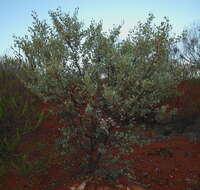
(190, 51)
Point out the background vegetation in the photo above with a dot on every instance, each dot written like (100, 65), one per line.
(19, 115)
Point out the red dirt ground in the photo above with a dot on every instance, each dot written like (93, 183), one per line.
(172, 164)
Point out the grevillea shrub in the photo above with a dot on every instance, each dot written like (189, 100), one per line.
(18, 113)
(103, 86)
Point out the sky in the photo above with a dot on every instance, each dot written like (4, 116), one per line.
(15, 15)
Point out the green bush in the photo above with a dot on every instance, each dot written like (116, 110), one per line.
(102, 86)
(19, 114)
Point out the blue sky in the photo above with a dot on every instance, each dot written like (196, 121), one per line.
(15, 15)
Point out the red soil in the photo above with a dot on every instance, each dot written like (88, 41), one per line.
(172, 164)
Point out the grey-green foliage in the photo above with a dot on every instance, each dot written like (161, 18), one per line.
(146, 70)
(106, 85)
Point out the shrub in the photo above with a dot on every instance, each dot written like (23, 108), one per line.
(189, 53)
(181, 112)
(18, 112)
(102, 86)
